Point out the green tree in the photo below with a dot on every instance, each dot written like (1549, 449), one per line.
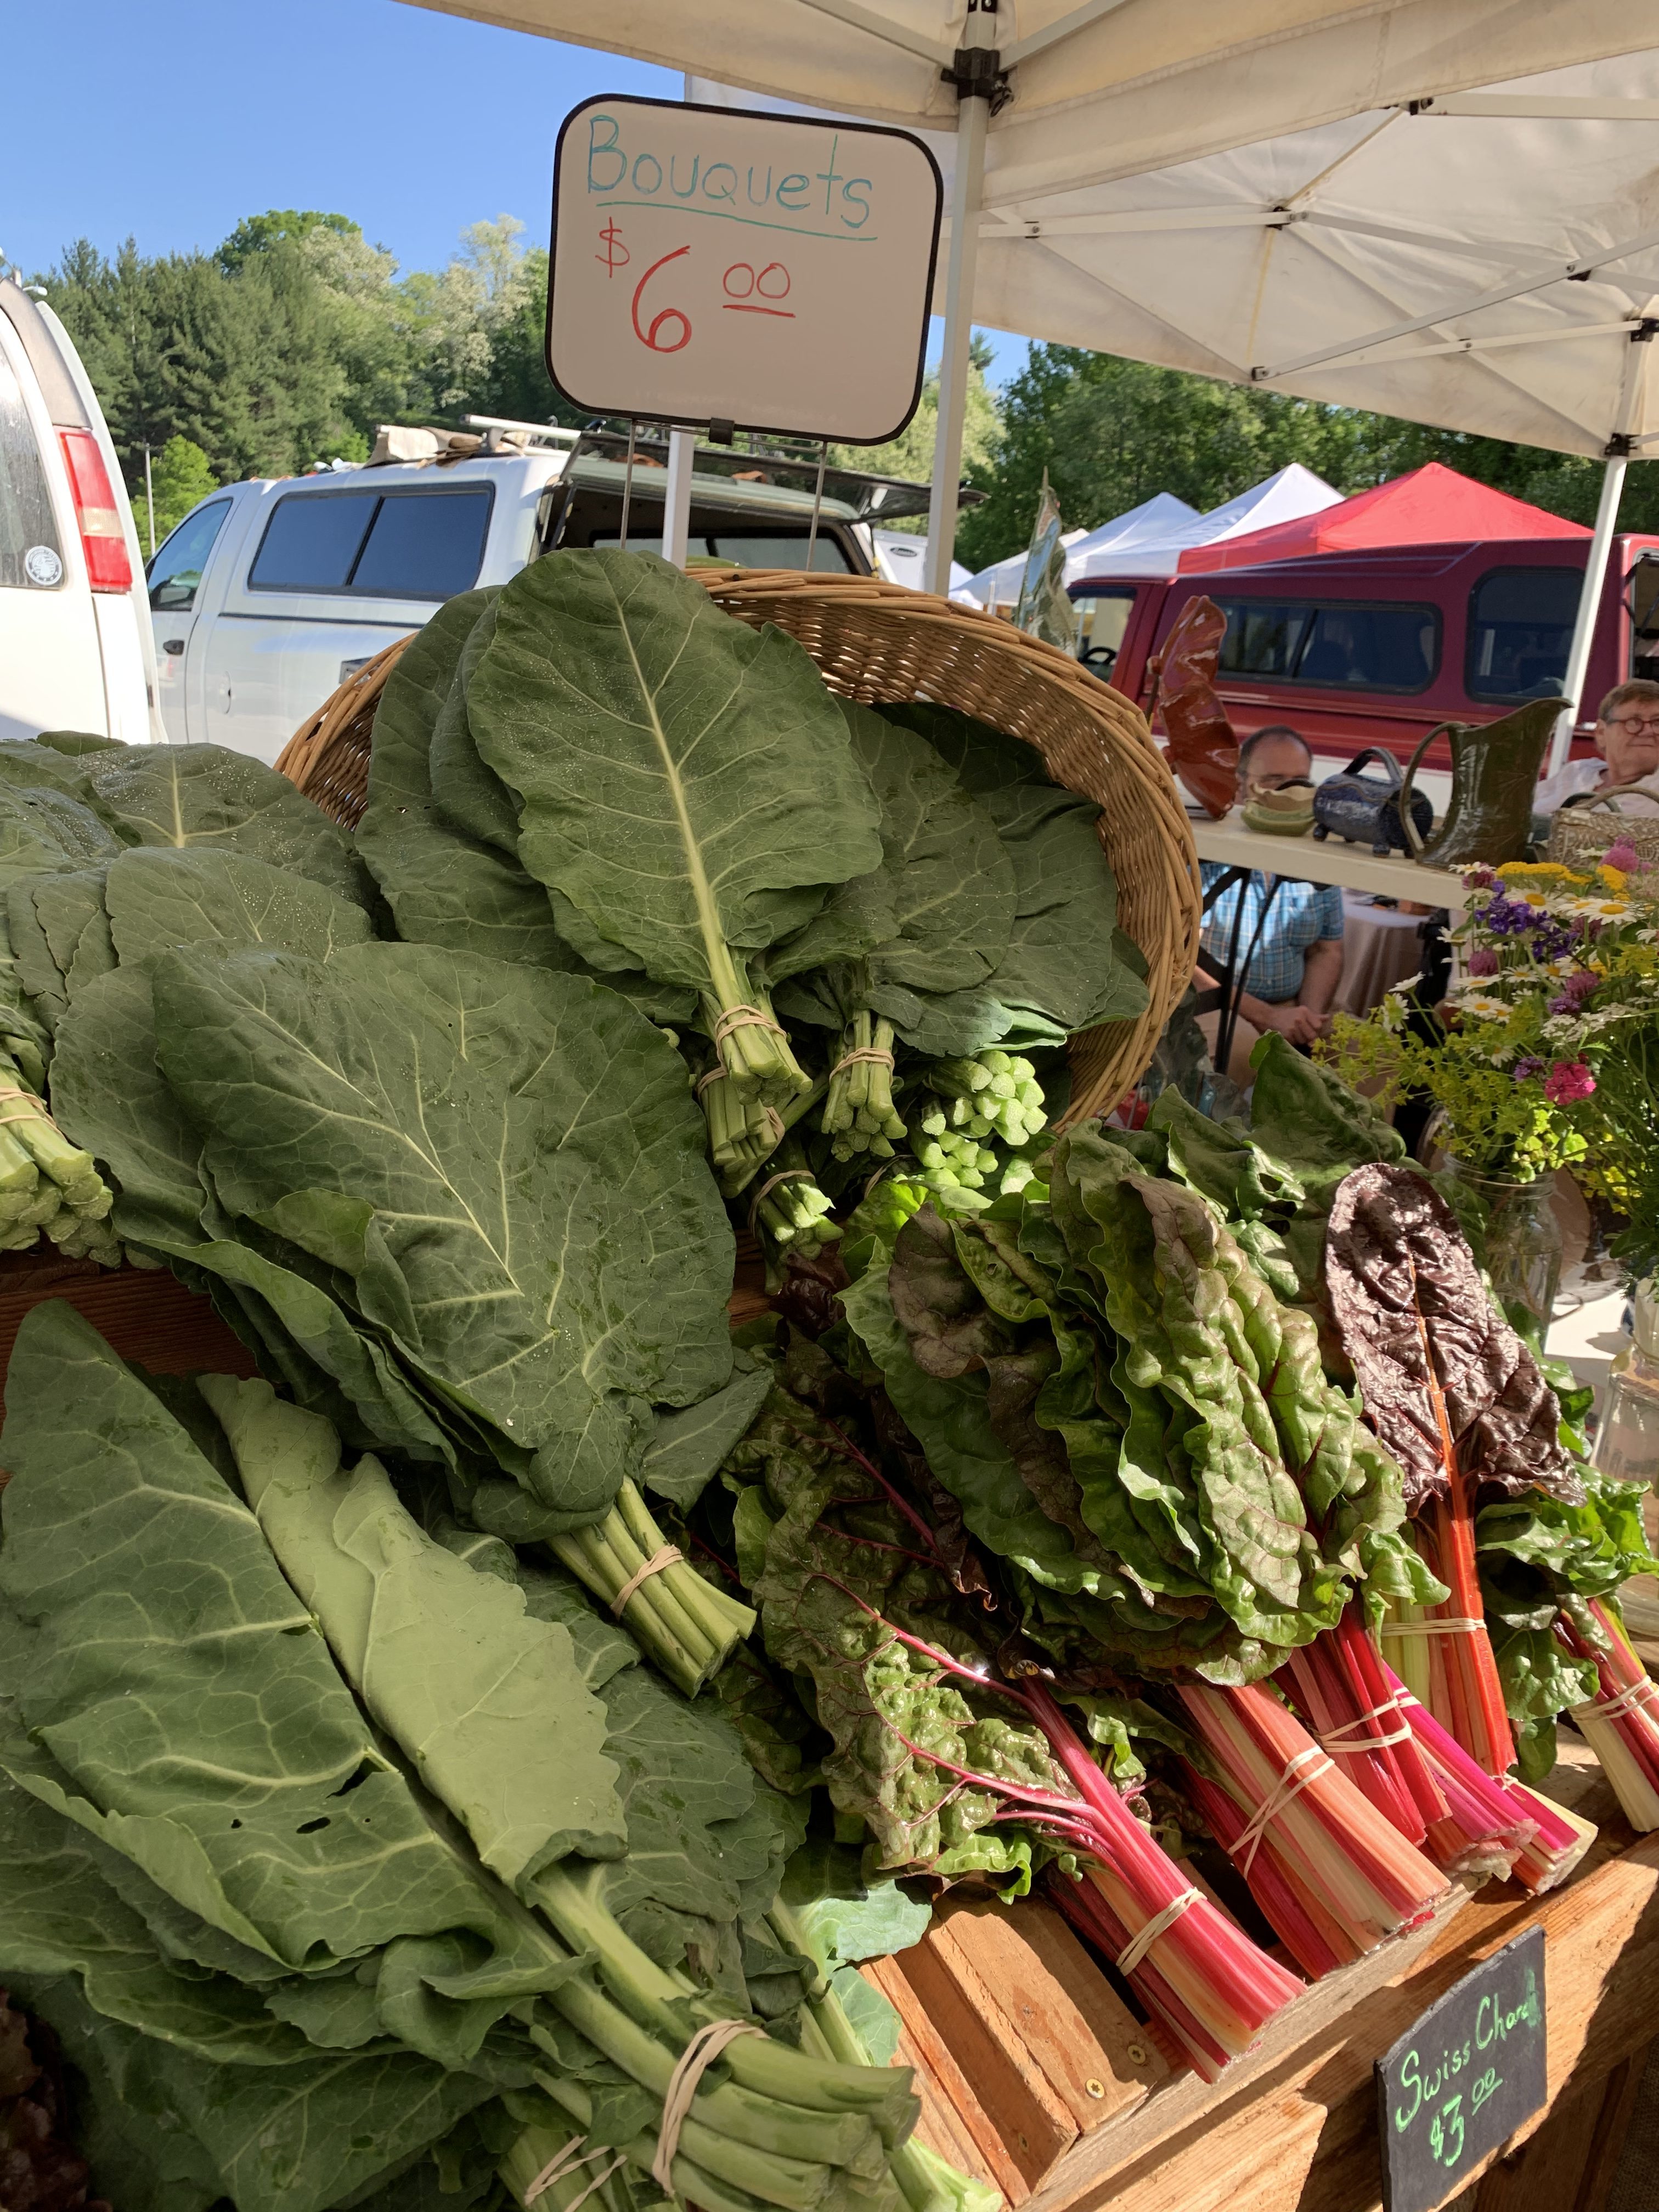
(181, 474)
(910, 454)
(259, 233)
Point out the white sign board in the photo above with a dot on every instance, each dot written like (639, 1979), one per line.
(714, 265)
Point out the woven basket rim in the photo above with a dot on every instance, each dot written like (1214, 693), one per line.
(1145, 828)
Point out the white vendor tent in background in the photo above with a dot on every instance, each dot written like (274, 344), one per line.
(1443, 208)
(901, 559)
(1284, 496)
(1001, 585)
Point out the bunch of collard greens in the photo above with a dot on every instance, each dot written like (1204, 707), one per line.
(71, 807)
(458, 1205)
(595, 771)
(1112, 1375)
(356, 1862)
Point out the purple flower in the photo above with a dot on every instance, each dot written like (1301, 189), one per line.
(1624, 856)
(1526, 1069)
(1569, 1081)
(1578, 987)
(1483, 961)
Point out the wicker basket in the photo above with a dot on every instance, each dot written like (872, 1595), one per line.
(880, 643)
(1582, 830)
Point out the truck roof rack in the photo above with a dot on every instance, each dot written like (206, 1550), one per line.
(402, 443)
(791, 463)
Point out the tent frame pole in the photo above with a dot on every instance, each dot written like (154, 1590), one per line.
(977, 88)
(1589, 605)
(1617, 450)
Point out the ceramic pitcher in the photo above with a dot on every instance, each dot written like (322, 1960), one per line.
(1494, 784)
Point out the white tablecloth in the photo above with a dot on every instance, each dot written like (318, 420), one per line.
(1379, 948)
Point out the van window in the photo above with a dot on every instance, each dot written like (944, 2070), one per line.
(1520, 629)
(1643, 600)
(175, 573)
(1340, 645)
(30, 555)
(404, 545)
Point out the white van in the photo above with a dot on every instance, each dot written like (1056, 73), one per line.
(267, 595)
(75, 640)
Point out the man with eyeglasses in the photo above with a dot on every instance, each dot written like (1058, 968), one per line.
(1627, 745)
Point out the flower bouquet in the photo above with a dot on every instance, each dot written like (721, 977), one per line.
(1545, 1053)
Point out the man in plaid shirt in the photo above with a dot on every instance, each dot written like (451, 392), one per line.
(1292, 976)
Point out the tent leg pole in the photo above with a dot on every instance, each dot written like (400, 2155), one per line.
(967, 193)
(676, 500)
(1589, 605)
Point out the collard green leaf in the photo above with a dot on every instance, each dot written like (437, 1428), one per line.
(706, 1841)
(1441, 1370)
(486, 1702)
(443, 888)
(179, 1701)
(506, 1165)
(58, 1915)
(203, 796)
(683, 777)
(943, 868)
(300, 2140)
(162, 896)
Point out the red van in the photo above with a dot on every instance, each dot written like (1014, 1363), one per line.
(1376, 648)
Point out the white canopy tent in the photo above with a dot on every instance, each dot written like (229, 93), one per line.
(1282, 497)
(1442, 209)
(1000, 585)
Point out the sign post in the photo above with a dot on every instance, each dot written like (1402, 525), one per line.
(767, 272)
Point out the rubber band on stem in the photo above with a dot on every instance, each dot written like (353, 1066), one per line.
(667, 1557)
(704, 2048)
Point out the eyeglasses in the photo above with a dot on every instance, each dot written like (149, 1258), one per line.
(1636, 726)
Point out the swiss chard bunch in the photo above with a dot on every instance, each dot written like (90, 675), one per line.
(1127, 1410)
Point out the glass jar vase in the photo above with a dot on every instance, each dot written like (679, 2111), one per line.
(1523, 1239)
(1627, 1436)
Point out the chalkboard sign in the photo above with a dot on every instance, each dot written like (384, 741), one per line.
(772, 271)
(1464, 2079)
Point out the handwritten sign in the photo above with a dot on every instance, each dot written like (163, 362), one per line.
(710, 264)
(1465, 2078)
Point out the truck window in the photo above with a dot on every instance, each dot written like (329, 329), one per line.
(312, 540)
(1520, 627)
(1340, 645)
(30, 556)
(785, 548)
(1102, 619)
(424, 545)
(404, 545)
(175, 573)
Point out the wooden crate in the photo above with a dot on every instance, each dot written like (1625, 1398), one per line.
(145, 1314)
(1006, 2018)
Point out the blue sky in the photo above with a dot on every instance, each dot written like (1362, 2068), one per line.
(170, 124)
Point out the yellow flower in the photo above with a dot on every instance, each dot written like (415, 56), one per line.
(1615, 878)
(1539, 868)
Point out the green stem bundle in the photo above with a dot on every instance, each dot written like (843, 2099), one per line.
(47, 1182)
(859, 1114)
(688, 1628)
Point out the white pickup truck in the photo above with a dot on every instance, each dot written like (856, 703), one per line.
(268, 594)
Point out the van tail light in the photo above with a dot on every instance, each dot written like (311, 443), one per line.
(99, 519)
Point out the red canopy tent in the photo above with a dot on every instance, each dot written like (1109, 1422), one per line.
(1432, 506)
